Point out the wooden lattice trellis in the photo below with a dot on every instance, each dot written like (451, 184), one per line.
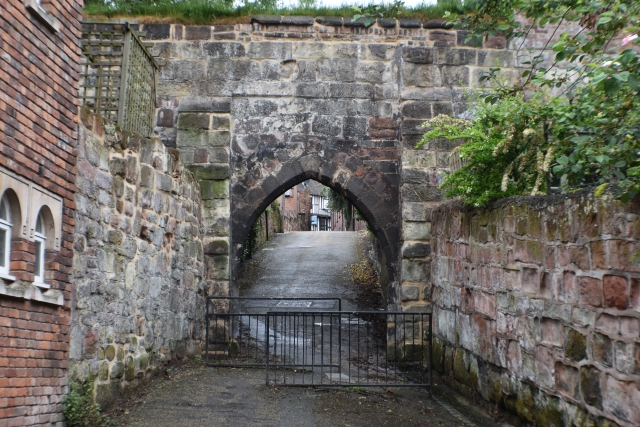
(118, 78)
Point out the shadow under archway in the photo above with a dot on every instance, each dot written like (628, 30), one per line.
(370, 192)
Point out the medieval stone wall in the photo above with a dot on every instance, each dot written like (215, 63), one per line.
(537, 306)
(293, 98)
(138, 263)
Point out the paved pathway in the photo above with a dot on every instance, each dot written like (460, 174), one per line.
(293, 264)
(304, 264)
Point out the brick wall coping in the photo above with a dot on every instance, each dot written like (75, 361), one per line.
(329, 21)
(535, 202)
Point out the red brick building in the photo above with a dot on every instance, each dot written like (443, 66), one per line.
(38, 109)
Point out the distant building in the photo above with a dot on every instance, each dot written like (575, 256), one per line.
(306, 208)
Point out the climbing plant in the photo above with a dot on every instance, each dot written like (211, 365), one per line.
(584, 121)
(339, 203)
(81, 409)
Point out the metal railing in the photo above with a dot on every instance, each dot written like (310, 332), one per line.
(307, 342)
(118, 78)
(349, 349)
(236, 330)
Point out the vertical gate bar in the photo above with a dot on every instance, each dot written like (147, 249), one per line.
(340, 345)
(368, 368)
(321, 348)
(313, 348)
(266, 348)
(430, 352)
(304, 361)
(358, 353)
(349, 345)
(395, 343)
(386, 347)
(124, 72)
(330, 343)
(206, 333)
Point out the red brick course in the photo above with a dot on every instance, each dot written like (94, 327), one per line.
(38, 109)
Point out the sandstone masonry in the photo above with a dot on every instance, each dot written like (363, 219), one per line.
(537, 306)
(138, 265)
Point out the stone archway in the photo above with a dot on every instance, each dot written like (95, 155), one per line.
(348, 168)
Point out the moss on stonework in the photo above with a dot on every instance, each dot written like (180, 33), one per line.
(103, 372)
(120, 354)
(110, 353)
(437, 354)
(548, 414)
(460, 371)
(575, 347)
(130, 369)
(524, 405)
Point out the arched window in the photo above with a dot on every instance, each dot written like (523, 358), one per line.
(5, 235)
(40, 239)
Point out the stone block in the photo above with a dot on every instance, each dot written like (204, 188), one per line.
(575, 345)
(410, 23)
(442, 38)
(218, 155)
(485, 304)
(197, 32)
(381, 51)
(147, 175)
(330, 21)
(214, 189)
(590, 290)
(624, 355)
(414, 212)
(415, 271)
(496, 58)
(590, 389)
(215, 138)
(417, 55)
(420, 193)
(567, 380)
(455, 75)
(419, 159)
(349, 22)
(218, 266)
(551, 332)
(417, 110)
(616, 292)
(416, 231)
(415, 250)
(297, 20)
(204, 104)
(223, 50)
(211, 171)
(409, 293)
(220, 122)
(608, 324)
(200, 155)
(266, 19)
(269, 50)
(326, 125)
(216, 246)
(448, 56)
(495, 42)
(351, 90)
(312, 51)
(355, 127)
(163, 182)
(311, 90)
(157, 31)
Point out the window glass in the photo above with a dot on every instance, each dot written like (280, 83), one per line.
(4, 209)
(38, 271)
(3, 247)
(40, 224)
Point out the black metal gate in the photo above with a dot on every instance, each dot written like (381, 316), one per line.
(301, 344)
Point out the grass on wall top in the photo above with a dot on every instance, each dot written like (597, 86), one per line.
(205, 12)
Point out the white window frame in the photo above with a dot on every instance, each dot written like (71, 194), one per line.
(6, 226)
(40, 238)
